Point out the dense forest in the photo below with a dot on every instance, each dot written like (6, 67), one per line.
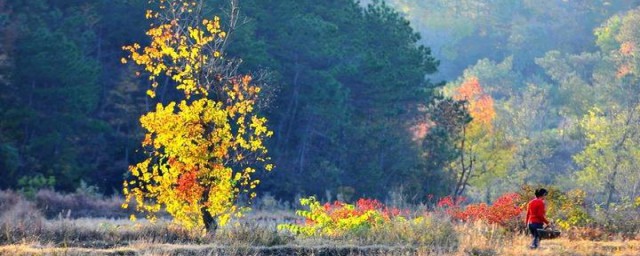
(366, 99)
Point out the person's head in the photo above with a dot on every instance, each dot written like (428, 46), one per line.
(540, 193)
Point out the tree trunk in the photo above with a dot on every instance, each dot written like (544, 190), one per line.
(210, 223)
(461, 180)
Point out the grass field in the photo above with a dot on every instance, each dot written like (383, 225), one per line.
(515, 246)
(99, 236)
(31, 228)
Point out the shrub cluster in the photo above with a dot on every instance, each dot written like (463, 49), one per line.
(504, 211)
(339, 218)
(370, 222)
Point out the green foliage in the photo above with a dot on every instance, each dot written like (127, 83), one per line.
(30, 185)
(348, 75)
(497, 78)
(341, 84)
(440, 146)
(350, 85)
(465, 31)
(621, 217)
(84, 189)
(9, 163)
(53, 94)
(605, 35)
(607, 164)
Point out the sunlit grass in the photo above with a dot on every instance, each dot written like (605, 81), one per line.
(101, 236)
(26, 231)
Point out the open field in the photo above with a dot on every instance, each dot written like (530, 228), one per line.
(99, 236)
(85, 226)
(517, 246)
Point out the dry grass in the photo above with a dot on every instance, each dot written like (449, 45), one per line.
(563, 246)
(481, 239)
(153, 239)
(78, 205)
(516, 246)
(24, 230)
(171, 249)
(432, 231)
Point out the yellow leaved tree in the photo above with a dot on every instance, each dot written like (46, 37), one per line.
(203, 151)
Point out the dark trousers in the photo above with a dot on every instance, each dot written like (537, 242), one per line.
(533, 228)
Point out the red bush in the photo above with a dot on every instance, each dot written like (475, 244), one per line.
(503, 211)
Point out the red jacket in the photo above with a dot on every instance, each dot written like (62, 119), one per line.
(536, 212)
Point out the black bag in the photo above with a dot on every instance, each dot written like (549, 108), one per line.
(548, 233)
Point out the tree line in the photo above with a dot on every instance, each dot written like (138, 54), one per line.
(563, 92)
(345, 83)
(347, 94)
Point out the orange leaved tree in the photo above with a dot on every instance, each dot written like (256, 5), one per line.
(484, 153)
(203, 151)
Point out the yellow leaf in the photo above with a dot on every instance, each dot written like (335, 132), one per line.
(193, 144)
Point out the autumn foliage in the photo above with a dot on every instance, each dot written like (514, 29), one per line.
(504, 211)
(181, 48)
(479, 149)
(202, 151)
(480, 103)
(339, 218)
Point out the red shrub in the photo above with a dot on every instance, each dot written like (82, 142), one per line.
(504, 211)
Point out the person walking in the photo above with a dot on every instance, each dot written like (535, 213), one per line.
(536, 216)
